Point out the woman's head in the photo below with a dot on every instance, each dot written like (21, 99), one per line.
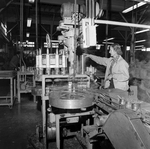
(115, 50)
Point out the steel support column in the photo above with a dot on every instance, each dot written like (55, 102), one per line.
(21, 29)
(108, 17)
(36, 23)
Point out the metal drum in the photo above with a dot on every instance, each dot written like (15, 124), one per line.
(67, 98)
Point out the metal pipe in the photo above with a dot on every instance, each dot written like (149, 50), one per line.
(75, 38)
(121, 23)
(21, 29)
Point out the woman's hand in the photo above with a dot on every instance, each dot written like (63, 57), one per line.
(86, 55)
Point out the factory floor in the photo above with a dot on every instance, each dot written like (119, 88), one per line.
(18, 123)
(18, 126)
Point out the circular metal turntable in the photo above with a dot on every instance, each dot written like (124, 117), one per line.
(65, 98)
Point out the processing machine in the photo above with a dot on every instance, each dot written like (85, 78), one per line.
(77, 105)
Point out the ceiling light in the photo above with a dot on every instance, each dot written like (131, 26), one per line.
(139, 46)
(147, 49)
(31, 1)
(134, 7)
(27, 34)
(128, 48)
(29, 20)
(142, 31)
(143, 49)
(140, 41)
(108, 42)
(109, 39)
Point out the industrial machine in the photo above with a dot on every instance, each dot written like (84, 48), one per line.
(76, 105)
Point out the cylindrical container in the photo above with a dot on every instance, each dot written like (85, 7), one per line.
(135, 106)
(70, 86)
(47, 59)
(128, 105)
(51, 133)
(40, 71)
(52, 117)
(82, 61)
(122, 102)
(63, 60)
(40, 59)
(37, 59)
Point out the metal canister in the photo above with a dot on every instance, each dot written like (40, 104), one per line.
(128, 105)
(135, 106)
(122, 101)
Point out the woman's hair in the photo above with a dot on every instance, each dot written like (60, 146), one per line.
(117, 48)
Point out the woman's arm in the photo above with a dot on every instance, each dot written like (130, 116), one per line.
(98, 59)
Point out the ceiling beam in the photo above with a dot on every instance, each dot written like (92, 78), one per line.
(59, 2)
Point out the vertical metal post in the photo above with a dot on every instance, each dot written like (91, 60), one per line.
(51, 30)
(125, 48)
(57, 117)
(108, 16)
(21, 29)
(21, 21)
(75, 38)
(11, 91)
(36, 23)
(44, 113)
(132, 54)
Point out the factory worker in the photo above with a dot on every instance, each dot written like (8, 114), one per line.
(14, 62)
(117, 69)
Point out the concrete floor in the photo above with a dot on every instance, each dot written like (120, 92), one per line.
(18, 123)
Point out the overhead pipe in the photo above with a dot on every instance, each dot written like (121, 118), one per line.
(121, 24)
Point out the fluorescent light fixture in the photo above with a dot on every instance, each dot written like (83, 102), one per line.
(109, 39)
(108, 42)
(27, 34)
(138, 41)
(31, 1)
(142, 31)
(28, 44)
(128, 48)
(143, 49)
(54, 44)
(147, 49)
(139, 46)
(138, 49)
(134, 7)
(29, 20)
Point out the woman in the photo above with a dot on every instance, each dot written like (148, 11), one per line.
(117, 69)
